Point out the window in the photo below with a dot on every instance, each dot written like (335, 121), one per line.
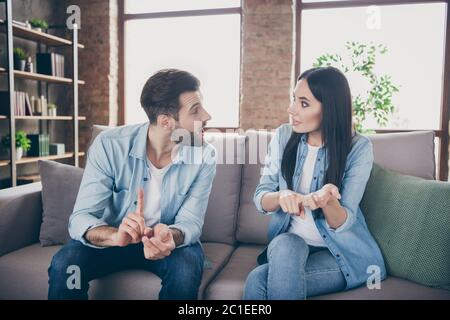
(414, 33)
(207, 45)
(414, 59)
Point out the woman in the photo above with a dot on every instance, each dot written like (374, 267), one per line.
(314, 178)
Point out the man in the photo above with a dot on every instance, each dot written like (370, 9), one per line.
(164, 161)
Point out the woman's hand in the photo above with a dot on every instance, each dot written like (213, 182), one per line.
(322, 197)
(292, 202)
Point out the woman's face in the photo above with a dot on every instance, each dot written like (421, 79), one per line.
(305, 111)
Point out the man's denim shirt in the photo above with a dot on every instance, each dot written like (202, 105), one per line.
(354, 248)
(117, 166)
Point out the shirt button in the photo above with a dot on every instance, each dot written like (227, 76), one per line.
(135, 203)
(318, 159)
(324, 236)
(338, 255)
(145, 179)
(315, 178)
(347, 275)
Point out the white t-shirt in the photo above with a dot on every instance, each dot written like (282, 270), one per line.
(306, 228)
(152, 194)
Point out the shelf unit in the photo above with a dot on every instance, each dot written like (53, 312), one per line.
(11, 30)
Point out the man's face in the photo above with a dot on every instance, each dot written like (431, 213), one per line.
(192, 116)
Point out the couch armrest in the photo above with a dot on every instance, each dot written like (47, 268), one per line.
(20, 216)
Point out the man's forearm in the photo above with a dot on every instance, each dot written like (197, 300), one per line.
(102, 236)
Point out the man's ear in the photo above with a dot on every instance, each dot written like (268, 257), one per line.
(164, 121)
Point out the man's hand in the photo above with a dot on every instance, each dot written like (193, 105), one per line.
(158, 242)
(322, 198)
(292, 202)
(132, 228)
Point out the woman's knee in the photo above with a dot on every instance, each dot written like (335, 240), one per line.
(287, 245)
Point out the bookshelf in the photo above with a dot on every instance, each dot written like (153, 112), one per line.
(14, 30)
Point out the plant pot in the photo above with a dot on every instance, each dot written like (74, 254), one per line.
(19, 64)
(37, 29)
(19, 153)
(51, 112)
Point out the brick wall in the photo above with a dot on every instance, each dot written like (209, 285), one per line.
(267, 62)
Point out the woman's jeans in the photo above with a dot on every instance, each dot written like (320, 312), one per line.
(180, 272)
(294, 271)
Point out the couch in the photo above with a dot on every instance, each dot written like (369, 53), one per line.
(233, 233)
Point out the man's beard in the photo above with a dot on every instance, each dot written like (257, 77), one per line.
(184, 137)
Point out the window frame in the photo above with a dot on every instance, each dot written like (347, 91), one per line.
(443, 133)
(124, 17)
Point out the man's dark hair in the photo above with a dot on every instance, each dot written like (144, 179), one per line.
(162, 91)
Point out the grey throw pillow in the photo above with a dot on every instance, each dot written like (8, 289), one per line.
(60, 184)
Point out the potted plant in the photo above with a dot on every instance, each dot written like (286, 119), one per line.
(20, 58)
(51, 109)
(22, 143)
(39, 25)
(377, 100)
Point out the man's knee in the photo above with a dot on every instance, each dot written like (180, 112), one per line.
(186, 263)
(68, 259)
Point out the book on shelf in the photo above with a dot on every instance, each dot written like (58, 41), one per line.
(39, 145)
(50, 63)
(22, 104)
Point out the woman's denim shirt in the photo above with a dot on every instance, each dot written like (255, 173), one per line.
(354, 248)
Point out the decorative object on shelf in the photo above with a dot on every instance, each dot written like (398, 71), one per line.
(39, 25)
(29, 65)
(20, 58)
(22, 143)
(57, 149)
(43, 106)
(39, 145)
(51, 109)
(37, 106)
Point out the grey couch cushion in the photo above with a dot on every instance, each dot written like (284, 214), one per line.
(252, 226)
(23, 275)
(229, 284)
(393, 151)
(20, 206)
(410, 153)
(60, 184)
(221, 214)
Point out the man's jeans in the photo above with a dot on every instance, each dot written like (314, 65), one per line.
(294, 271)
(180, 272)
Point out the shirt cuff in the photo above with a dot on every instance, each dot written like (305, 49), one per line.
(79, 229)
(345, 226)
(187, 235)
(258, 204)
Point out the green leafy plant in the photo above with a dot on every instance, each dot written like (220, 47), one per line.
(21, 141)
(51, 106)
(39, 23)
(20, 54)
(377, 100)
